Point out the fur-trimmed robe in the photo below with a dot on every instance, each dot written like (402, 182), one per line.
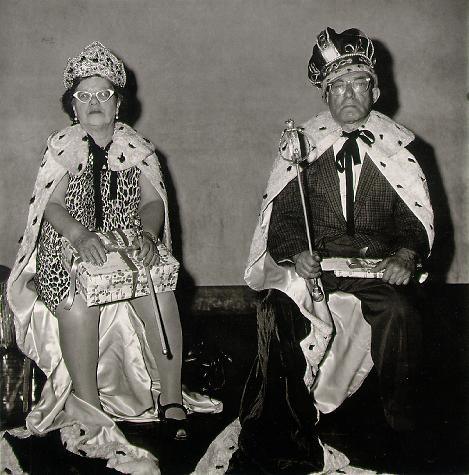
(127, 375)
(397, 165)
(337, 349)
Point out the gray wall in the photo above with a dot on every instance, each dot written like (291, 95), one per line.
(216, 80)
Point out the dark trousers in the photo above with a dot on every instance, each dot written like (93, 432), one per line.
(396, 342)
(277, 415)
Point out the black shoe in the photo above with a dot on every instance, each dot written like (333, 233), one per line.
(176, 429)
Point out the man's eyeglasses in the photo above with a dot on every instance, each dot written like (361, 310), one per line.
(86, 96)
(359, 86)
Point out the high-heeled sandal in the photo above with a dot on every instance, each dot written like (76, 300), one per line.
(176, 429)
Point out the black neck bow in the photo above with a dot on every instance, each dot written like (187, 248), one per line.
(349, 150)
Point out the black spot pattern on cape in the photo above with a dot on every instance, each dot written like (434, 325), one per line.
(162, 184)
(418, 204)
(121, 158)
(20, 240)
(411, 160)
(288, 168)
(120, 452)
(34, 220)
(145, 163)
(131, 145)
(80, 167)
(61, 136)
(49, 184)
(85, 138)
(264, 196)
(382, 164)
(381, 136)
(21, 260)
(322, 128)
(399, 186)
(31, 201)
(60, 153)
(399, 142)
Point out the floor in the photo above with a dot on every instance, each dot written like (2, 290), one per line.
(357, 428)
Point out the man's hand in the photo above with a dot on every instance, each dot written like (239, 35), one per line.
(398, 268)
(306, 265)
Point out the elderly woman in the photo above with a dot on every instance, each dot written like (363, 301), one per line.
(101, 361)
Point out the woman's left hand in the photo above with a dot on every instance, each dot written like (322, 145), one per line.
(148, 251)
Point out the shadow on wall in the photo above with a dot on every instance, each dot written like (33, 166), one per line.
(130, 114)
(131, 110)
(388, 103)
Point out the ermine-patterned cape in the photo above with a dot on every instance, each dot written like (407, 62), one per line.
(127, 374)
(401, 170)
(67, 152)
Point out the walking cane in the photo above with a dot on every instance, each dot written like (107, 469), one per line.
(154, 300)
(290, 139)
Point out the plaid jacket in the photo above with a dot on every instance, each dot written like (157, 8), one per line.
(383, 222)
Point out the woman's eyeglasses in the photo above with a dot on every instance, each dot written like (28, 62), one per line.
(86, 96)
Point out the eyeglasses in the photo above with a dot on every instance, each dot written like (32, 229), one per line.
(86, 96)
(359, 86)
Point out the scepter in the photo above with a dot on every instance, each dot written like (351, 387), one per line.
(156, 308)
(290, 139)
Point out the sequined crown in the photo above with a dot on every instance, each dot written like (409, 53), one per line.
(337, 53)
(95, 59)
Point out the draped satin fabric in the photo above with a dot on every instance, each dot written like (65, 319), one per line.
(127, 376)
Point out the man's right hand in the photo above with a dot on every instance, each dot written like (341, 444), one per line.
(306, 265)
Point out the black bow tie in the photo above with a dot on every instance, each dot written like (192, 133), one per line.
(348, 154)
(350, 147)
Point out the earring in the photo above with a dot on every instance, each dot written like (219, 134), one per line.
(117, 114)
(75, 120)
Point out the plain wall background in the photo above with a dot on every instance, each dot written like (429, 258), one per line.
(216, 80)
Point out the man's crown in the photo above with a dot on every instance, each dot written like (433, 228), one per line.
(338, 53)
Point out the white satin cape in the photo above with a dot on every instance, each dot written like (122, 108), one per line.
(127, 375)
(337, 350)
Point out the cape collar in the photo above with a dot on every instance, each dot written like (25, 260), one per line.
(390, 137)
(69, 148)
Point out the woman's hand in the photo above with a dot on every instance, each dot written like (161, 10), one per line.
(148, 251)
(90, 247)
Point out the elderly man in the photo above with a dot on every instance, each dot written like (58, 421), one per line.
(366, 197)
